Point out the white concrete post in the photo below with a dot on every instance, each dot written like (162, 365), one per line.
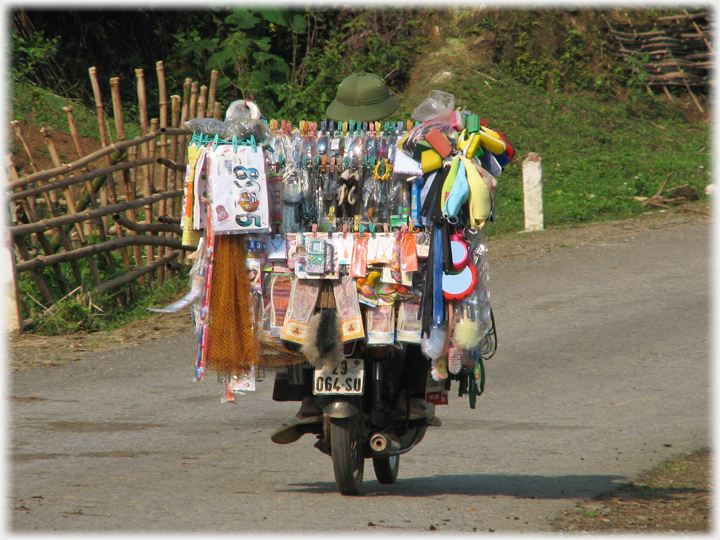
(12, 319)
(533, 193)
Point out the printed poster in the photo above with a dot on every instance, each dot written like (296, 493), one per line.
(238, 188)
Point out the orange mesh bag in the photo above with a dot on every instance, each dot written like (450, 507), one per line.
(234, 342)
(233, 346)
(274, 353)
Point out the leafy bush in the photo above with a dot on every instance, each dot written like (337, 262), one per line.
(30, 55)
(291, 61)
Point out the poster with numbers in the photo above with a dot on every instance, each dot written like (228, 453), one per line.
(238, 189)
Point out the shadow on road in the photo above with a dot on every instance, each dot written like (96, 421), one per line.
(507, 485)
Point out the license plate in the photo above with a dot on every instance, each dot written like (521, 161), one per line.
(345, 377)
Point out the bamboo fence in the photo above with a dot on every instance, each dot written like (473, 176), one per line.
(123, 197)
(675, 51)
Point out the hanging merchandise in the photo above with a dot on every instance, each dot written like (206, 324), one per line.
(319, 237)
(408, 252)
(239, 384)
(280, 290)
(348, 306)
(190, 237)
(207, 251)
(200, 196)
(315, 256)
(409, 327)
(303, 298)
(380, 325)
(277, 247)
(233, 329)
(238, 187)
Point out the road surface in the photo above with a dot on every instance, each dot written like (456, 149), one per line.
(602, 372)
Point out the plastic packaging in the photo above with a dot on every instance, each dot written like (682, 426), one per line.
(438, 106)
(209, 126)
(242, 108)
(432, 346)
(473, 319)
(241, 127)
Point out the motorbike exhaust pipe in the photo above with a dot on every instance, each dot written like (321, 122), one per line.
(383, 444)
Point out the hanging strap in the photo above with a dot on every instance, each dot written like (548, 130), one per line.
(426, 302)
(431, 198)
(438, 311)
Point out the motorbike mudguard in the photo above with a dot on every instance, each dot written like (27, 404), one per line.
(341, 409)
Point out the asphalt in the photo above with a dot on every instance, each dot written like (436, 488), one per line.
(602, 371)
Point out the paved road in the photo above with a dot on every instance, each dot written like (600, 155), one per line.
(602, 371)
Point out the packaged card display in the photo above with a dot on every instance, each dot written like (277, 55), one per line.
(344, 244)
(409, 326)
(200, 187)
(303, 297)
(408, 253)
(280, 289)
(380, 323)
(380, 249)
(195, 153)
(291, 247)
(358, 265)
(244, 383)
(254, 266)
(348, 308)
(315, 257)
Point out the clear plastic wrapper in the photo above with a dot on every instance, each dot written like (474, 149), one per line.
(438, 106)
(241, 127)
(208, 126)
(473, 318)
(242, 108)
(432, 346)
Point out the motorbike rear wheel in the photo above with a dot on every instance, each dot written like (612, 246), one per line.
(386, 469)
(347, 454)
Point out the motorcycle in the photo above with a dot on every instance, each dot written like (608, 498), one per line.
(357, 421)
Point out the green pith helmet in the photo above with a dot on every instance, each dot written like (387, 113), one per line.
(362, 97)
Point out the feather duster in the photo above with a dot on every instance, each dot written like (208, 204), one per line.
(324, 344)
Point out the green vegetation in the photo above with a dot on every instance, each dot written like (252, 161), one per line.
(37, 105)
(288, 60)
(103, 312)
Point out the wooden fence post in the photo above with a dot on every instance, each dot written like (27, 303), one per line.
(211, 93)
(533, 193)
(145, 152)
